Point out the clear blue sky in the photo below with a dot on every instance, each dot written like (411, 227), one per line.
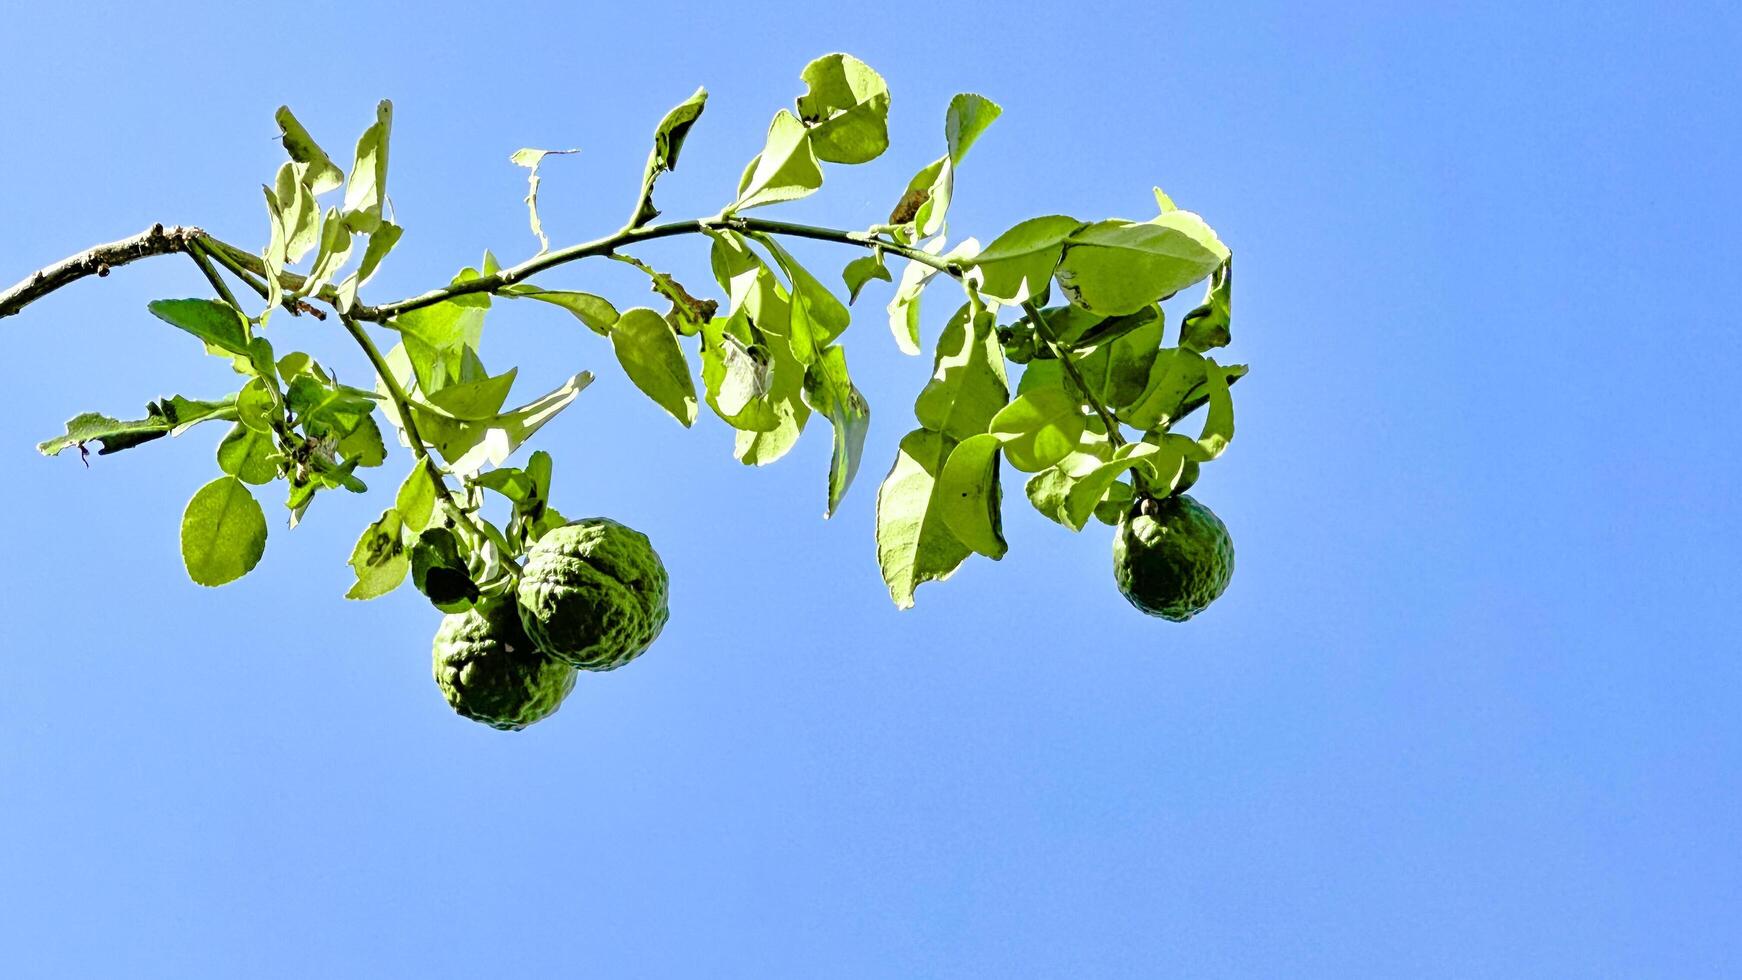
(1468, 708)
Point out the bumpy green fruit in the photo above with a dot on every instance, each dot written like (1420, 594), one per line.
(593, 594)
(1172, 557)
(490, 671)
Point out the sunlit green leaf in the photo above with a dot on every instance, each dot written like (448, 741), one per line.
(668, 140)
(366, 191)
(215, 322)
(381, 241)
(416, 499)
(904, 306)
(785, 170)
(968, 495)
(647, 347)
(786, 401)
(247, 455)
(379, 559)
(861, 271)
(1207, 326)
(316, 171)
(830, 391)
(223, 532)
(298, 212)
(480, 398)
(846, 108)
(170, 416)
(1039, 428)
(594, 311)
(914, 545)
(1113, 267)
(818, 317)
(968, 385)
(1018, 265)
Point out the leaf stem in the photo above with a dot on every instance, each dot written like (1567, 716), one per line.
(226, 254)
(408, 420)
(198, 254)
(1115, 438)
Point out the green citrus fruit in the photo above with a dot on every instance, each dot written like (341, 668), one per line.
(490, 671)
(593, 594)
(1172, 557)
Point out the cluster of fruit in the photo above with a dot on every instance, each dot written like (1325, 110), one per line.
(592, 596)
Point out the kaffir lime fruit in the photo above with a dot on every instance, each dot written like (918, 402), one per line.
(593, 594)
(1172, 557)
(491, 672)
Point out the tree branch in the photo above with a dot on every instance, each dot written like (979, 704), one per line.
(95, 261)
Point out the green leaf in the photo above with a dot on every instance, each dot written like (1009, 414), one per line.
(215, 322)
(1039, 428)
(170, 416)
(1018, 265)
(335, 250)
(969, 498)
(274, 257)
(479, 399)
(594, 311)
(299, 214)
(381, 241)
(1177, 386)
(435, 338)
(1163, 202)
(647, 347)
(367, 189)
(904, 307)
(1218, 428)
(313, 168)
(416, 499)
(1117, 370)
(914, 545)
(1070, 492)
(438, 569)
(817, 316)
(1207, 326)
(785, 170)
(786, 401)
(247, 455)
(926, 199)
(668, 140)
(361, 443)
(830, 391)
(967, 118)
(737, 374)
(470, 445)
(223, 532)
(311, 399)
(528, 490)
(861, 271)
(968, 385)
(1113, 267)
(379, 559)
(258, 406)
(530, 159)
(846, 108)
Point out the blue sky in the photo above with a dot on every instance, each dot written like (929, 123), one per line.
(1466, 709)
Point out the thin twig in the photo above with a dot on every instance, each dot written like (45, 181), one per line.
(198, 254)
(408, 420)
(1115, 438)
